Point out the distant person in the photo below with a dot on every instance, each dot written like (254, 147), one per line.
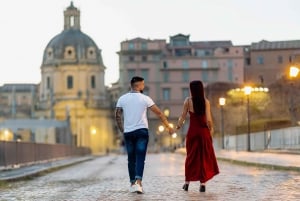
(132, 107)
(200, 163)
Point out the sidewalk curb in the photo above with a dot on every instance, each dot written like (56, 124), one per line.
(262, 165)
(248, 163)
(48, 167)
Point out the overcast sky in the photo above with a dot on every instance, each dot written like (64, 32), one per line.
(28, 25)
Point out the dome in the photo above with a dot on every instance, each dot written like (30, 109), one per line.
(71, 46)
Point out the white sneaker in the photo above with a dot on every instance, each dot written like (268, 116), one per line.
(139, 188)
(133, 188)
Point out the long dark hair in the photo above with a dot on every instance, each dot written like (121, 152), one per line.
(197, 93)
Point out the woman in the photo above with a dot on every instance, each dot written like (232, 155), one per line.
(200, 163)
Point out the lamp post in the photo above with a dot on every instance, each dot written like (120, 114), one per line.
(222, 102)
(247, 91)
(160, 130)
(174, 135)
(293, 73)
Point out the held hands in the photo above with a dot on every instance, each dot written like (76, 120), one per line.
(171, 130)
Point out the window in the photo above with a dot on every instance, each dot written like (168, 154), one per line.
(204, 64)
(183, 52)
(131, 58)
(180, 42)
(156, 57)
(165, 64)
(69, 53)
(93, 81)
(166, 76)
(72, 21)
(49, 53)
(204, 76)
(144, 58)
(144, 46)
(229, 63)
(280, 59)
(166, 94)
(185, 76)
(248, 61)
(131, 46)
(145, 74)
(91, 53)
(185, 64)
(131, 73)
(230, 73)
(69, 82)
(207, 53)
(185, 93)
(48, 82)
(260, 60)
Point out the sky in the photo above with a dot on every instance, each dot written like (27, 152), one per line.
(28, 26)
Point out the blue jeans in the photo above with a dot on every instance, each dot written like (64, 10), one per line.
(136, 144)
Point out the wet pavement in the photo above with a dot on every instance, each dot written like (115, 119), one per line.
(106, 178)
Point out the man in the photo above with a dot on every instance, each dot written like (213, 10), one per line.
(133, 106)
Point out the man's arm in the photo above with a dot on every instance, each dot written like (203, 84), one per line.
(162, 117)
(118, 118)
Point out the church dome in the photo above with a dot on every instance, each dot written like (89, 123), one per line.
(71, 46)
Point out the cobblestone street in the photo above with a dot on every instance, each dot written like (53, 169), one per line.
(106, 178)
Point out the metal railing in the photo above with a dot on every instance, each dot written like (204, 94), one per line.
(286, 138)
(19, 153)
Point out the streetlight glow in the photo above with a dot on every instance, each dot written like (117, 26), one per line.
(166, 112)
(294, 71)
(93, 131)
(161, 128)
(222, 101)
(247, 90)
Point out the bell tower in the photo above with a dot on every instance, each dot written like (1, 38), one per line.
(72, 18)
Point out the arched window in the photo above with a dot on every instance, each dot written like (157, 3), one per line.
(93, 81)
(70, 82)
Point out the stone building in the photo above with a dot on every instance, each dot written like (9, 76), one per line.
(72, 73)
(18, 100)
(268, 61)
(168, 67)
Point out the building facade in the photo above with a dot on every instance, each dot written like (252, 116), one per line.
(168, 67)
(71, 90)
(72, 84)
(268, 61)
(18, 100)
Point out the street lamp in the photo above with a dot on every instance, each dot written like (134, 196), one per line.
(247, 91)
(159, 132)
(293, 73)
(167, 112)
(222, 102)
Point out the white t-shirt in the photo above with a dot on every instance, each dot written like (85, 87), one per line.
(134, 107)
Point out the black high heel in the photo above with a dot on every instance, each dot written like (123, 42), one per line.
(202, 188)
(185, 187)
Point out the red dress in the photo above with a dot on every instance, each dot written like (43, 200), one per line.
(201, 163)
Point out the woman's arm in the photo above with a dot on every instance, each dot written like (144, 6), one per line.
(209, 116)
(183, 114)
